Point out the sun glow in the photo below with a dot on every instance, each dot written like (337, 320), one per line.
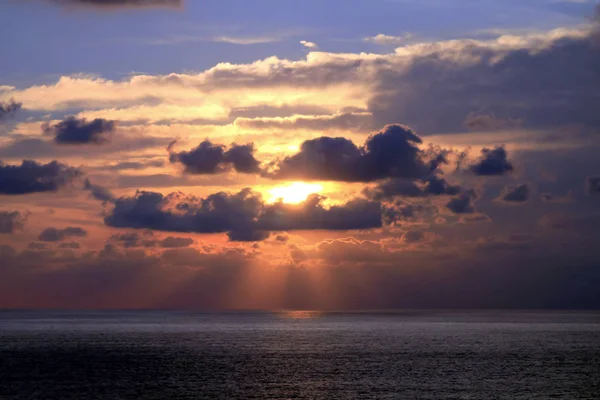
(294, 193)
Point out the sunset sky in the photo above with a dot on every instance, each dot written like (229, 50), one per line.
(309, 154)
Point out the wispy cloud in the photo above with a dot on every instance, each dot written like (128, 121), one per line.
(384, 39)
(245, 40)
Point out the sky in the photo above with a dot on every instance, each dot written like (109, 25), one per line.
(381, 154)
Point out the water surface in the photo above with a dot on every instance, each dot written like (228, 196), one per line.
(299, 355)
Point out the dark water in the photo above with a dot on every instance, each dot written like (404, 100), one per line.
(170, 355)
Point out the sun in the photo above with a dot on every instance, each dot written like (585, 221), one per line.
(294, 193)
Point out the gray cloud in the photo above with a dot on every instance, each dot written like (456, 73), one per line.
(69, 245)
(11, 221)
(98, 192)
(32, 177)
(431, 186)
(8, 109)
(57, 235)
(146, 239)
(463, 204)
(492, 162)
(244, 216)
(209, 158)
(442, 86)
(79, 131)
(391, 153)
(515, 194)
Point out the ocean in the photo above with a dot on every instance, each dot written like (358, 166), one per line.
(299, 355)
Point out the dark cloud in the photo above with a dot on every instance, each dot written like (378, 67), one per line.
(9, 108)
(413, 236)
(515, 194)
(37, 246)
(69, 245)
(32, 177)
(244, 216)
(35, 148)
(175, 242)
(146, 239)
(11, 221)
(74, 130)
(209, 158)
(432, 186)
(463, 204)
(593, 185)
(134, 239)
(553, 198)
(118, 4)
(390, 153)
(57, 235)
(492, 162)
(98, 192)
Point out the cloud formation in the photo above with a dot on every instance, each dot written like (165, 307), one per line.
(52, 234)
(11, 221)
(244, 216)
(593, 185)
(146, 239)
(515, 194)
(209, 158)
(463, 204)
(79, 131)
(32, 177)
(9, 108)
(391, 153)
(492, 162)
(430, 186)
(98, 192)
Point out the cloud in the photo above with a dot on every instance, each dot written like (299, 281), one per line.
(244, 216)
(32, 177)
(357, 121)
(118, 4)
(593, 185)
(553, 198)
(430, 186)
(432, 87)
(9, 108)
(136, 165)
(309, 45)
(386, 40)
(175, 242)
(146, 239)
(69, 245)
(57, 235)
(79, 131)
(209, 158)
(492, 162)
(11, 221)
(98, 192)
(515, 194)
(391, 153)
(488, 122)
(463, 204)
(512, 80)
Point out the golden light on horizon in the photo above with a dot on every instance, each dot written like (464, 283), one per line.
(294, 193)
